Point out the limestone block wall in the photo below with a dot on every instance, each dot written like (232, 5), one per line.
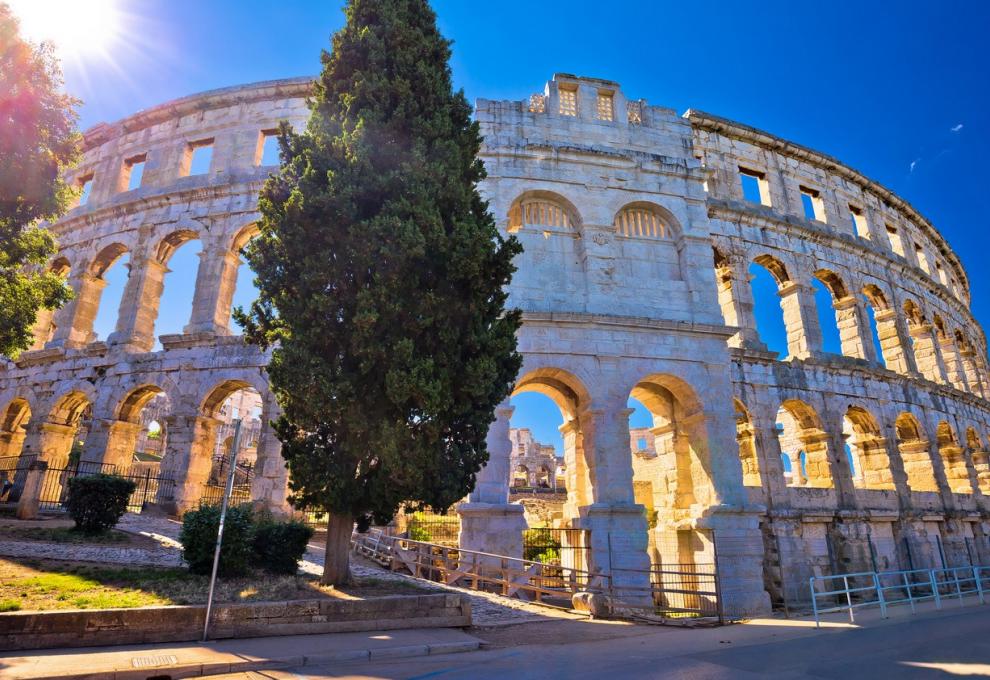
(634, 282)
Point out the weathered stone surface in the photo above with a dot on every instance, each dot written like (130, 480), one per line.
(634, 282)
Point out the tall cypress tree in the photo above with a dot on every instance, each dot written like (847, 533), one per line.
(382, 281)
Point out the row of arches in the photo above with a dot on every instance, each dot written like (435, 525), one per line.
(84, 426)
(549, 211)
(825, 315)
(807, 458)
(121, 294)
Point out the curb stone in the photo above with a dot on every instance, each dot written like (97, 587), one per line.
(193, 670)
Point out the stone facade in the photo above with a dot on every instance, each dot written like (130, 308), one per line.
(634, 282)
(533, 464)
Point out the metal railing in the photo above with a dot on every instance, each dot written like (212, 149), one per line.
(669, 591)
(889, 588)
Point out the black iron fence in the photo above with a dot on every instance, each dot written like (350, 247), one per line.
(149, 486)
(213, 494)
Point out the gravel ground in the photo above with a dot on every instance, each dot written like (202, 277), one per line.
(487, 609)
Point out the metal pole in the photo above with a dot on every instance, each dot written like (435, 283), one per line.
(223, 515)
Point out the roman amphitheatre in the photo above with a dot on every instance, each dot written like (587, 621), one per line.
(641, 227)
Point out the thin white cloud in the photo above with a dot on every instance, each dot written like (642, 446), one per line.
(956, 128)
(913, 164)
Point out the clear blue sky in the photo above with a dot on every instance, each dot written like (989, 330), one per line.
(878, 85)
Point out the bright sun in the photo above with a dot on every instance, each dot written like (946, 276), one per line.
(76, 27)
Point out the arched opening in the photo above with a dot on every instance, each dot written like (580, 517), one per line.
(244, 405)
(953, 459)
(544, 211)
(804, 442)
(245, 290)
(545, 432)
(767, 277)
(746, 439)
(867, 450)
(520, 477)
(676, 473)
(181, 254)
(13, 428)
(44, 326)
(642, 220)
(913, 447)
(64, 433)
(829, 294)
(137, 438)
(981, 459)
(973, 372)
(950, 354)
(99, 300)
(883, 329)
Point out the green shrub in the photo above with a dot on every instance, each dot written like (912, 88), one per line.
(280, 545)
(199, 539)
(97, 502)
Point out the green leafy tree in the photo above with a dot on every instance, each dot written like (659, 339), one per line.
(38, 141)
(381, 277)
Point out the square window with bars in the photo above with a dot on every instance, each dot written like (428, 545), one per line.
(568, 102)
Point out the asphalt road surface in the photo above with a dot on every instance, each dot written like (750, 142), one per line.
(939, 645)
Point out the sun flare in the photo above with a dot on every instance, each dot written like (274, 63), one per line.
(76, 27)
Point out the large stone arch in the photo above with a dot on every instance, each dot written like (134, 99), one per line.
(953, 459)
(850, 318)
(14, 419)
(868, 449)
(915, 452)
(543, 210)
(805, 442)
(746, 439)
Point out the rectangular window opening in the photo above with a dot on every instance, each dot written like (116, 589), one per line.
(943, 279)
(754, 185)
(922, 259)
(568, 102)
(895, 240)
(860, 226)
(811, 201)
(198, 157)
(133, 173)
(267, 152)
(605, 108)
(85, 185)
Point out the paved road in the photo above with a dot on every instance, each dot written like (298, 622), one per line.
(946, 644)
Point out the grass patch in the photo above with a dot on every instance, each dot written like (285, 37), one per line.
(10, 605)
(64, 535)
(40, 585)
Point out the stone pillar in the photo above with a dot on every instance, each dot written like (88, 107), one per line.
(971, 373)
(916, 458)
(43, 329)
(892, 343)
(738, 549)
(216, 280)
(112, 442)
(74, 321)
(617, 525)
(804, 335)
(30, 500)
(854, 335)
(954, 371)
(188, 458)
(818, 465)
(50, 442)
(735, 297)
(270, 485)
(926, 355)
(489, 523)
(139, 305)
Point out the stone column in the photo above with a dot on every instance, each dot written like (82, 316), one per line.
(954, 371)
(43, 328)
(188, 458)
(818, 465)
(804, 335)
(112, 442)
(489, 523)
(216, 280)
(971, 373)
(74, 321)
(892, 343)
(270, 485)
(139, 305)
(854, 335)
(926, 355)
(50, 442)
(916, 459)
(735, 297)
